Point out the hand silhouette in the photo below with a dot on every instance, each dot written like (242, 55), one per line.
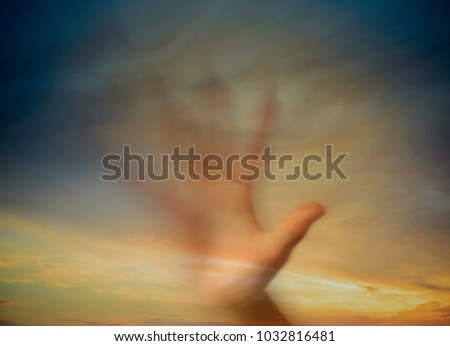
(234, 257)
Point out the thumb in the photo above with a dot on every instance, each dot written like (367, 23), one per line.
(294, 225)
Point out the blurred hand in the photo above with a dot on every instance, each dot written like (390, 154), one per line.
(234, 258)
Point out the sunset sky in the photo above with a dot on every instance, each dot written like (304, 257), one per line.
(80, 81)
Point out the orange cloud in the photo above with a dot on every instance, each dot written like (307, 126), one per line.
(429, 313)
(371, 289)
(8, 302)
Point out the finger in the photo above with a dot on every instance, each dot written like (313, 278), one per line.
(268, 112)
(173, 124)
(180, 127)
(216, 106)
(293, 227)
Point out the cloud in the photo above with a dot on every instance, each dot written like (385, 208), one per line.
(152, 322)
(434, 287)
(430, 313)
(149, 240)
(153, 314)
(7, 323)
(371, 289)
(138, 238)
(8, 302)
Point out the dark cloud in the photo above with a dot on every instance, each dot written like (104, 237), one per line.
(371, 289)
(7, 323)
(433, 287)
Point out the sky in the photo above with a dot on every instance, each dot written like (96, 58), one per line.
(81, 79)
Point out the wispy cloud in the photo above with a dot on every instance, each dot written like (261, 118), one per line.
(9, 302)
(371, 289)
(430, 313)
(434, 287)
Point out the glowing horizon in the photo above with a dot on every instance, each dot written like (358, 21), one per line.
(75, 250)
